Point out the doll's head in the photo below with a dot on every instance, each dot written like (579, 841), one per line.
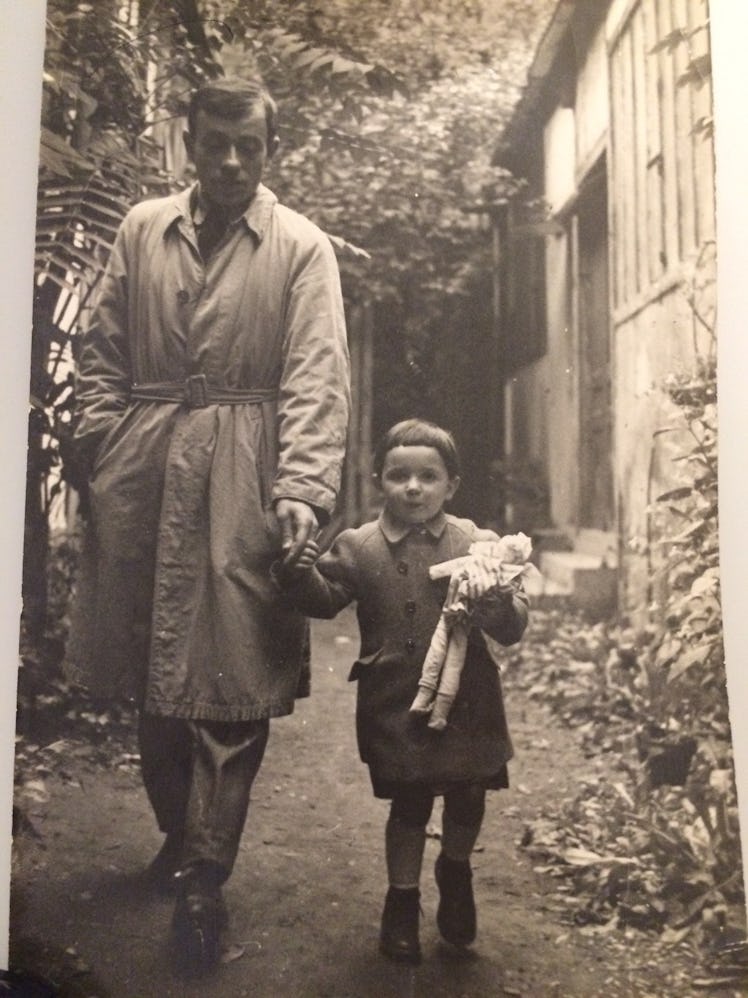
(416, 466)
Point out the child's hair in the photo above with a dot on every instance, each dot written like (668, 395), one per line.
(419, 433)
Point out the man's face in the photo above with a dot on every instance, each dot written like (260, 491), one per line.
(229, 156)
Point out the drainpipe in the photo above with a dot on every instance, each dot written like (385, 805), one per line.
(499, 417)
(496, 214)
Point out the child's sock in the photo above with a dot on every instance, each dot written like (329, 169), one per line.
(404, 850)
(458, 841)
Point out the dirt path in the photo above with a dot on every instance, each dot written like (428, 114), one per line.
(306, 894)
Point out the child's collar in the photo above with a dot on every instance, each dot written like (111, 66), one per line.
(395, 531)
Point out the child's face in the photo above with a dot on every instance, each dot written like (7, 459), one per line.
(415, 483)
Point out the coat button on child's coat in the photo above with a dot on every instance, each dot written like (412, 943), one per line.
(410, 607)
(402, 567)
(183, 296)
(410, 645)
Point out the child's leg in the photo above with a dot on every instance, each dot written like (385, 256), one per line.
(461, 823)
(463, 814)
(405, 837)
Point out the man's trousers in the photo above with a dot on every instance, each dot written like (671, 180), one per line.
(198, 776)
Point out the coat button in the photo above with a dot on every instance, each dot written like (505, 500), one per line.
(410, 645)
(402, 567)
(410, 607)
(183, 296)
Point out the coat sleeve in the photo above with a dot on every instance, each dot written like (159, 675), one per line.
(103, 374)
(505, 620)
(314, 396)
(331, 585)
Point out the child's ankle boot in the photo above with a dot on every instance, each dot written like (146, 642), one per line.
(455, 916)
(399, 936)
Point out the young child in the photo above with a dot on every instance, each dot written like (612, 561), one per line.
(384, 567)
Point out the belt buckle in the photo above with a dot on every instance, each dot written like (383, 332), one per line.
(196, 391)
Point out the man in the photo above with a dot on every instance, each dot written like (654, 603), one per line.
(213, 404)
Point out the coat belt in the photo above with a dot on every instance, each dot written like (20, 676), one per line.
(195, 393)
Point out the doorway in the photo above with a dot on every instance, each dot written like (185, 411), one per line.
(596, 498)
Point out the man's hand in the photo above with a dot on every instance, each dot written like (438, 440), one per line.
(298, 524)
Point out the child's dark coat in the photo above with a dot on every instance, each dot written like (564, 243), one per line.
(383, 566)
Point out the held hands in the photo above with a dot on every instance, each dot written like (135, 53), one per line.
(309, 555)
(298, 525)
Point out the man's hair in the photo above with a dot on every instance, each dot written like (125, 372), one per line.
(232, 97)
(419, 433)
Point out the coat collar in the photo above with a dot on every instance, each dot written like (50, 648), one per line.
(394, 532)
(256, 217)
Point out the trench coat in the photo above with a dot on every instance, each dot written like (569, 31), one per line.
(383, 566)
(174, 605)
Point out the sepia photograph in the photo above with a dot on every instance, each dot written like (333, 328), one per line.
(372, 603)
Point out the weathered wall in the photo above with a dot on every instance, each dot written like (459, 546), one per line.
(650, 345)
(591, 105)
(641, 103)
(662, 215)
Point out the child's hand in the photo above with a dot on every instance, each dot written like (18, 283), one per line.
(494, 605)
(480, 576)
(284, 575)
(306, 560)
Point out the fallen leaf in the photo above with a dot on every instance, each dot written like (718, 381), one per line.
(254, 943)
(37, 790)
(672, 936)
(714, 982)
(721, 781)
(585, 857)
(623, 792)
(234, 951)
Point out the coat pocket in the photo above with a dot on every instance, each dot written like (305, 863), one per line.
(360, 666)
(110, 437)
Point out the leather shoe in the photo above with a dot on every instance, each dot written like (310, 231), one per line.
(455, 916)
(399, 935)
(199, 922)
